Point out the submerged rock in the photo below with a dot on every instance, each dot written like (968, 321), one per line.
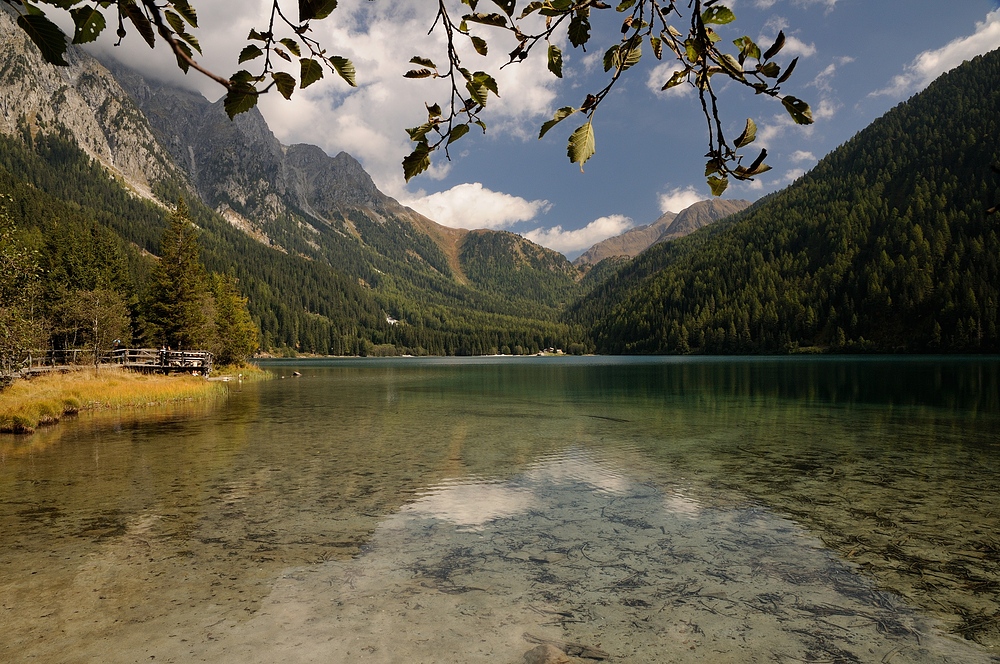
(547, 654)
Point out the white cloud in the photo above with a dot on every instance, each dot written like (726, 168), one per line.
(825, 110)
(793, 174)
(764, 4)
(822, 80)
(573, 241)
(801, 155)
(471, 205)
(795, 47)
(679, 198)
(930, 64)
(829, 4)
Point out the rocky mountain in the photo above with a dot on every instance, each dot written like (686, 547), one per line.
(322, 215)
(670, 226)
(82, 101)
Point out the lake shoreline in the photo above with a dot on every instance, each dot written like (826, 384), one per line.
(44, 400)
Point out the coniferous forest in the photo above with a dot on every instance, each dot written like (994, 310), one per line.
(885, 246)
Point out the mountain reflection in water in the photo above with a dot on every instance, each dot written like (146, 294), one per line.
(444, 510)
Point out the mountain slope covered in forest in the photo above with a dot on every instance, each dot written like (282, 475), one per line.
(885, 245)
(328, 262)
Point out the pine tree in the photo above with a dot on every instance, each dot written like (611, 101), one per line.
(237, 338)
(180, 304)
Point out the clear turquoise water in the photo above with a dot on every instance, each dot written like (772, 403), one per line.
(446, 510)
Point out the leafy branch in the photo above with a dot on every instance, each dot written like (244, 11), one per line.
(282, 40)
(697, 54)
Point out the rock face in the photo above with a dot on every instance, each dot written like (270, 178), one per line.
(293, 198)
(240, 165)
(86, 100)
(668, 227)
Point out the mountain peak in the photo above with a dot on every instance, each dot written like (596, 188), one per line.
(669, 226)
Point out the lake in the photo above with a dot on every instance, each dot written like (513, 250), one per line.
(826, 509)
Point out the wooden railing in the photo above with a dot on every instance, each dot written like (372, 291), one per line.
(150, 360)
(163, 360)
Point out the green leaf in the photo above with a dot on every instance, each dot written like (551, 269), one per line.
(748, 135)
(479, 44)
(457, 132)
(494, 19)
(621, 57)
(184, 8)
(560, 115)
(771, 69)
(249, 52)
(756, 168)
(49, 39)
(418, 73)
(718, 185)
(531, 8)
(292, 46)
(89, 24)
(256, 36)
(175, 21)
(433, 111)
(748, 48)
(657, 45)
(190, 39)
(284, 82)
(732, 66)
(419, 133)
(788, 71)
(483, 78)
(240, 99)
(798, 109)
(632, 56)
(318, 9)
(417, 161)
(581, 145)
(345, 68)
(423, 62)
(181, 62)
(140, 21)
(555, 60)
(478, 92)
(579, 30)
(310, 71)
(718, 15)
(693, 49)
(678, 77)
(610, 57)
(506, 5)
(779, 42)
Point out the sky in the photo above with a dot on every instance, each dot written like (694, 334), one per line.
(857, 59)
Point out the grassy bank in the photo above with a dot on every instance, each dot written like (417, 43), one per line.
(28, 404)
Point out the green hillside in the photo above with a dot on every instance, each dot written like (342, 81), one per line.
(90, 232)
(884, 246)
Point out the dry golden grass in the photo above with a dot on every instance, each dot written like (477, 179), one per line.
(28, 404)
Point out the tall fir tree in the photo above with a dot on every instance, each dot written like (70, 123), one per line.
(180, 304)
(237, 337)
